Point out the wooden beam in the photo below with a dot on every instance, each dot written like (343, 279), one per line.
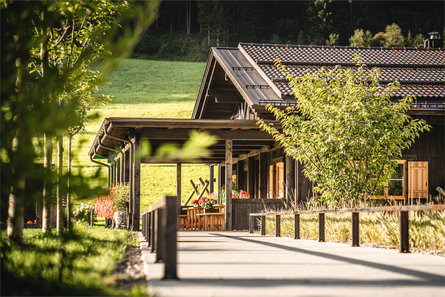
(178, 134)
(228, 185)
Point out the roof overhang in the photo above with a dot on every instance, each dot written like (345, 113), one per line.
(116, 133)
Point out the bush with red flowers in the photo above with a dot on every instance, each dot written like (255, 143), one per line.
(104, 207)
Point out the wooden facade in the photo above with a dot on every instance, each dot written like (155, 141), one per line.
(237, 85)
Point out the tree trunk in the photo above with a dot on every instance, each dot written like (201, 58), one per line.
(68, 187)
(59, 223)
(15, 203)
(47, 186)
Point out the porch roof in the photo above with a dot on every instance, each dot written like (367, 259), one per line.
(115, 133)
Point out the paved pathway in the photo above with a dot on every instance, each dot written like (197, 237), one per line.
(243, 264)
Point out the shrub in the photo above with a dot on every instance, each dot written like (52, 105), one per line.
(82, 213)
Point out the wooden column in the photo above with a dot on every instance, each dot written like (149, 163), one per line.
(220, 177)
(121, 169)
(137, 187)
(124, 166)
(251, 177)
(211, 179)
(178, 186)
(228, 184)
(289, 186)
(263, 176)
(130, 183)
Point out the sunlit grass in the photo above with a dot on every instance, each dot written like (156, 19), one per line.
(426, 229)
(150, 89)
(78, 264)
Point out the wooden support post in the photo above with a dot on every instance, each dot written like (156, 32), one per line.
(137, 188)
(251, 222)
(220, 178)
(169, 234)
(278, 225)
(263, 176)
(355, 229)
(228, 184)
(130, 184)
(321, 224)
(404, 231)
(211, 179)
(289, 186)
(263, 225)
(297, 226)
(158, 241)
(121, 170)
(251, 176)
(178, 187)
(124, 166)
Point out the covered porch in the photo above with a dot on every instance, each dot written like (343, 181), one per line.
(242, 155)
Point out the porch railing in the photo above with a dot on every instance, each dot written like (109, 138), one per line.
(159, 227)
(403, 210)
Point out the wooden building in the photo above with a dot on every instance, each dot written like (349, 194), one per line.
(237, 85)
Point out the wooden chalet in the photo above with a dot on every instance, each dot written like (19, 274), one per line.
(237, 85)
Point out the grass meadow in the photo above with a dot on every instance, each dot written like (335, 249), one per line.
(150, 89)
(426, 229)
(76, 264)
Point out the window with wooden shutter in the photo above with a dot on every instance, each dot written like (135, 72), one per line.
(271, 181)
(417, 180)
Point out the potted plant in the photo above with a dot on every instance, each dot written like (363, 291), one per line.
(208, 205)
(195, 203)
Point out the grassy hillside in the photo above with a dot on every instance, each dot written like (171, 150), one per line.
(144, 88)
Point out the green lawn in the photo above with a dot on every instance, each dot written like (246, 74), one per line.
(77, 264)
(152, 89)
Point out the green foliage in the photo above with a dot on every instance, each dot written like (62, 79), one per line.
(76, 264)
(83, 213)
(45, 57)
(393, 36)
(346, 131)
(361, 38)
(333, 39)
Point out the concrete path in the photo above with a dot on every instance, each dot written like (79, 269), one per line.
(243, 264)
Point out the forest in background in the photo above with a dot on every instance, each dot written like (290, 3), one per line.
(185, 30)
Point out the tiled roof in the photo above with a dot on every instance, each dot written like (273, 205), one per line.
(421, 72)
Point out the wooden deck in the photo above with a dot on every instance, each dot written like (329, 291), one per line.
(243, 264)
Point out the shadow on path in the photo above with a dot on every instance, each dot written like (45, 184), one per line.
(429, 278)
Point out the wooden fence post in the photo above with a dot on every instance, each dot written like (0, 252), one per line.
(159, 242)
(297, 226)
(321, 224)
(277, 225)
(169, 234)
(263, 225)
(404, 232)
(355, 229)
(154, 231)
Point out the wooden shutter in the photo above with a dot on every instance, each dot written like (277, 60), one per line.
(271, 181)
(280, 180)
(417, 179)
